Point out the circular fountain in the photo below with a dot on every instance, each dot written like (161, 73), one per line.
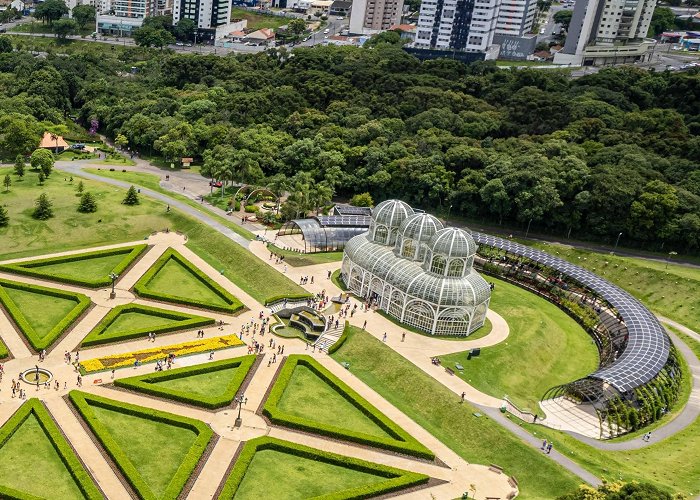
(36, 376)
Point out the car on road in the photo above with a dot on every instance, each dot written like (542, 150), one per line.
(542, 31)
(326, 31)
(217, 184)
(180, 44)
(341, 18)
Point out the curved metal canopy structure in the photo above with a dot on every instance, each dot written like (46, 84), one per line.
(648, 345)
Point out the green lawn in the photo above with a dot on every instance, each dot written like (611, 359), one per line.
(436, 408)
(88, 269)
(308, 396)
(283, 476)
(70, 230)
(258, 21)
(672, 464)
(151, 181)
(132, 320)
(156, 449)
(30, 463)
(297, 259)
(175, 279)
(43, 312)
(545, 348)
(672, 292)
(205, 384)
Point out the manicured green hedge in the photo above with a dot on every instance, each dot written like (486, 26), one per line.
(82, 302)
(341, 340)
(402, 441)
(33, 267)
(72, 463)
(289, 297)
(397, 479)
(146, 383)
(83, 402)
(141, 286)
(4, 351)
(184, 321)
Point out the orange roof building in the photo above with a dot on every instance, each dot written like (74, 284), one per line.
(53, 142)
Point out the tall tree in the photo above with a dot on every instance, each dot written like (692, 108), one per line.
(84, 15)
(64, 27)
(87, 204)
(131, 198)
(42, 159)
(4, 217)
(43, 208)
(184, 29)
(19, 166)
(51, 10)
(7, 182)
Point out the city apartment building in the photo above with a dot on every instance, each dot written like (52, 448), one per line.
(372, 16)
(122, 17)
(464, 25)
(207, 14)
(516, 17)
(608, 32)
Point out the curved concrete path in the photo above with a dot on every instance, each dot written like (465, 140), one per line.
(76, 169)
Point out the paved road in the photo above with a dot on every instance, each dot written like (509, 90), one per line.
(76, 169)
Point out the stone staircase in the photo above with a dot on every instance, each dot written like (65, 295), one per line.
(329, 337)
(280, 304)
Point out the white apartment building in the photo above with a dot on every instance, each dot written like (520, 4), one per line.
(122, 17)
(608, 32)
(465, 25)
(372, 16)
(516, 17)
(206, 14)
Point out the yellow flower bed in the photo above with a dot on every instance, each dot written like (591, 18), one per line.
(156, 353)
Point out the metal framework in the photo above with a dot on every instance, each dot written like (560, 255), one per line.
(417, 271)
(325, 233)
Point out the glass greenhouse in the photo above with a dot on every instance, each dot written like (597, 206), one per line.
(418, 271)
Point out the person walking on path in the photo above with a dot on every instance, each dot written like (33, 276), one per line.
(384, 338)
(464, 395)
(364, 325)
(403, 336)
(544, 444)
(549, 448)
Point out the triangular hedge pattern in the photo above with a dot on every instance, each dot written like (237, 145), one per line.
(22, 316)
(52, 459)
(130, 321)
(213, 385)
(395, 438)
(88, 269)
(142, 458)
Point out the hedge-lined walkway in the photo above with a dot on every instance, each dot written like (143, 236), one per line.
(457, 474)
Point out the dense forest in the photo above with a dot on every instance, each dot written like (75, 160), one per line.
(616, 151)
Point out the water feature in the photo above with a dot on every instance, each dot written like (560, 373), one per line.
(36, 376)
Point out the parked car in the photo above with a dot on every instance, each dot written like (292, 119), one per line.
(217, 184)
(326, 31)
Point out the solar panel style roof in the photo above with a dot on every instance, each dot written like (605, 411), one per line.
(648, 345)
(351, 210)
(343, 220)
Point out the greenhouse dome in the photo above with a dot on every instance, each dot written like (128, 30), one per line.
(417, 271)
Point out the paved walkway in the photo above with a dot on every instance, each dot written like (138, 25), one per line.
(458, 474)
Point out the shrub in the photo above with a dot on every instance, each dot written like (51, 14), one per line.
(141, 286)
(397, 479)
(399, 441)
(184, 321)
(38, 342)
(43, 209)
(339, 343)
(290, 297)
(87, 204)
(251, 209)
(145, 383)
(64, 450)
(131, 197)
(4, 218)
(33, 267)
(83, 401)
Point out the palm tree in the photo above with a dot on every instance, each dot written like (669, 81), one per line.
(278, 184)
(321, 194)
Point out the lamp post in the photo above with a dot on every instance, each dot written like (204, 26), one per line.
(670, 254)
(449, 209)
(616, 242)
(528, 228)
(113, 277)
(241, 400)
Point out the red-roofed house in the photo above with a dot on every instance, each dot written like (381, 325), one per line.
(53, 142)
